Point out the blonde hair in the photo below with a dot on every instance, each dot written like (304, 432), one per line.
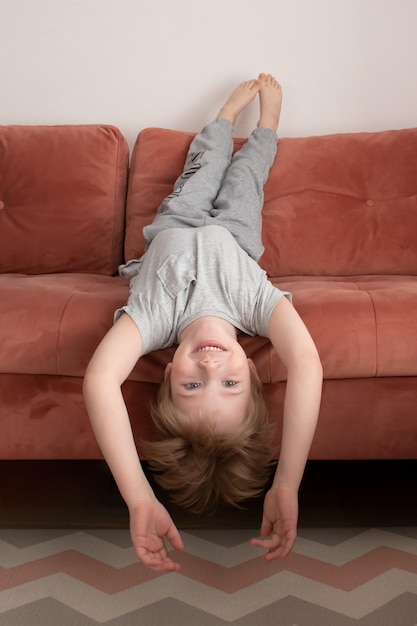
(199, 467)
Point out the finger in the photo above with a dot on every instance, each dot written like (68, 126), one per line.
(282, 549)
(289, 543)
(266, 527)
(259, 543)
(157, 562)
(165, 566)
(285, 550)
(279, 552)
(269, 544)
(272, 555)
(174, 538)
(169, 566)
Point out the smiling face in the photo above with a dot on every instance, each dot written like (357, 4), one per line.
(211, 374)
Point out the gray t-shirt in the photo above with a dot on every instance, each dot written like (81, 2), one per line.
(188, 273)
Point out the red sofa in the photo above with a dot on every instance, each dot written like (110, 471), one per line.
(340, 231)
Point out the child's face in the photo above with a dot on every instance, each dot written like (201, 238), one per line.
(211, 377)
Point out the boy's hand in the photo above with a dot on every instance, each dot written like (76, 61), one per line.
(150, 522)
(279, 521)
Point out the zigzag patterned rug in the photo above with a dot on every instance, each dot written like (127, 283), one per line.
(334, 577)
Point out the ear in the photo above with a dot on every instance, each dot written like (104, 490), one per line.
(252, 367)
(167, 370)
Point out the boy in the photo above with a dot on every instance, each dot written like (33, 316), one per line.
(197, 285)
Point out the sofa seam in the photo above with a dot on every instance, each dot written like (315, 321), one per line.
(376, 333)
(130, 195)
(112, 252)
(58, 338)
(112, 258)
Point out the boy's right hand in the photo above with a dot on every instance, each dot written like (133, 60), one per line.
(150, 522)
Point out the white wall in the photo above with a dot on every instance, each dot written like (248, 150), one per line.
(345, 65)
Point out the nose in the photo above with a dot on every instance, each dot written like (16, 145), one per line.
(209, 360)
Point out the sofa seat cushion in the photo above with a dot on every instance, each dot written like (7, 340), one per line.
(363, 326)
(52, 323)
(62, 198)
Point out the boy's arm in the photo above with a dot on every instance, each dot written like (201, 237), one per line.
(294, 345)
(111, 364)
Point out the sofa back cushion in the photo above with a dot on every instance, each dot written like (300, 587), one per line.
(335, 205)
(62, 198)
(343, 205)
(157, 160)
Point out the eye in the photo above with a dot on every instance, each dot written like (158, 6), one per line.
(192, 386)
(229, 383)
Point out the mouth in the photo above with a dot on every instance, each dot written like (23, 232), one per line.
(210, 346)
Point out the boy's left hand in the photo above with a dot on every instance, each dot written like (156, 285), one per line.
(279, 522)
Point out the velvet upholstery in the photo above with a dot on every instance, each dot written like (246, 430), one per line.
(342, 205)
(337, 205)
(62, 190)
(340, 233)
(43, 417)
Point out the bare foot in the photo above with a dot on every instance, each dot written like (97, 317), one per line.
(239, 99)
(270, 96)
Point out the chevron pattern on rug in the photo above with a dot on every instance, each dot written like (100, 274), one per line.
(335, 577)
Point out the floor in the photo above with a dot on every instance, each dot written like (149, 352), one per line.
(66, 556)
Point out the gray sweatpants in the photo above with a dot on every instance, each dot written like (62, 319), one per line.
(218, 188)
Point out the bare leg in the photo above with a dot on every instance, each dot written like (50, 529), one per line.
(270, 97)
(238, 100)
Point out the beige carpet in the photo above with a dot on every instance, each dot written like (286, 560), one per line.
(66, 557)
(335, 577)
